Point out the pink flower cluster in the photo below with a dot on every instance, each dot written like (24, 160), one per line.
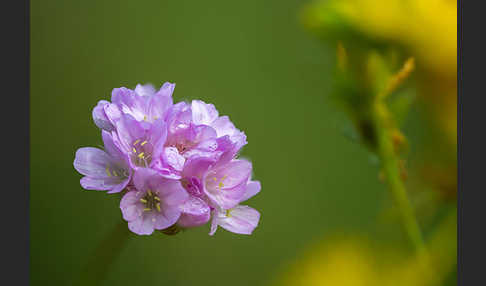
(175, 164)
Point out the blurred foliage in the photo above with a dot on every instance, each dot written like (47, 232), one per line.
(395, 70)
(425, 30)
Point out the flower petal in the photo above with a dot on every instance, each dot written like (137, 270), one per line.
(143, 225)
(167, 216)
(100, 118)
(113, 149)
(131, 206)
(157, 135)
(241, 220)
(130, 102)
(128, 130)
(112, 185)
(161, 101)
(252, 188)
(167, 88)
(214, 223)
(164, 170)
(173, 159)
(226, 186)
(142, 177)
(203, 113)
(204, 133)
(179, 116)
(228, 149)
(197, 166)
(195, 212)
(92, 162)
(170, 192)
(100, 170)
(113, 113)
(239, 138)
(223, 126)
(144, 90)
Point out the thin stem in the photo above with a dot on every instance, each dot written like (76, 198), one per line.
(391, 172)
(104, 255)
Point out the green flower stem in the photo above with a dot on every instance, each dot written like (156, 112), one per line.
(104, 255)
(391, 172)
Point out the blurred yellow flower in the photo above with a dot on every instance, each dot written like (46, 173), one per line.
(423, 29)
(353, 260)
(427, 28)
(343, 262)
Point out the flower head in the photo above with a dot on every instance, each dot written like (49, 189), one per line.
(183, 158)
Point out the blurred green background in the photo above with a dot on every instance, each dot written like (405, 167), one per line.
(252, 60)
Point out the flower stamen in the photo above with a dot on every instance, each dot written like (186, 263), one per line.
(108, 171)
(151, 201)
(221, 185)
(228, 213)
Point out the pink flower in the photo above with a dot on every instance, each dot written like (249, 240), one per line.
(143, 104)
(216, 188)
(154, 203)
(103, 170)
(239, 219)
(177, 162)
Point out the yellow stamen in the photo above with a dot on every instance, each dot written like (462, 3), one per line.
(214, 178)
(115, 174)
(149, 192)
(221, 185)
(158, 207)
(134, 150)
(228, 213)
(143, 143)
(147, 209)
(145, 118)
(157, 199)
(108, 171)
(143, 201)
(141, 155)
(136, 142)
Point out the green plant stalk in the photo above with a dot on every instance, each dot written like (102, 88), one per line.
(391, 172)
(104, 255)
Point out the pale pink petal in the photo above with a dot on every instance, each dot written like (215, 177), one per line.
(203, 113)
(240, 219)
(252, 188)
